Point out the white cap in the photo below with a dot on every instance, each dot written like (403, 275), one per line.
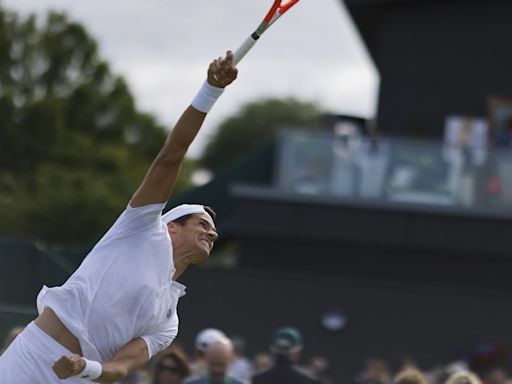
(182, 210)
(208, 336)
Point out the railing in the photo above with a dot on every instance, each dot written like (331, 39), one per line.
(394, 170)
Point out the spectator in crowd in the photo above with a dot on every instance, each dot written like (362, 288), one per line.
(504, 133)
(286, 347)
(495, 375)
(172, 367)
(218, 357)
(241, 367)
(410, 376)
(319, 367)
(408, 363)
(376, 371)
(261, 362)
(203, 340)
(463, 377)
(488, 361)
(11, 336)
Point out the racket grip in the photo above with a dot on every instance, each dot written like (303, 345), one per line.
(244, 48)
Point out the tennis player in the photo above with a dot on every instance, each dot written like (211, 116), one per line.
(119, 307)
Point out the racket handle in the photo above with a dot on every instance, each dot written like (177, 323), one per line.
(245, 47)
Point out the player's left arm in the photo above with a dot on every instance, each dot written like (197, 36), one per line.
(129, 358)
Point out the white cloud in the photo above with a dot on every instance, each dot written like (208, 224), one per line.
(162, 48)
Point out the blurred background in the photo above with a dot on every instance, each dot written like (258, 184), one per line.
(360, 167)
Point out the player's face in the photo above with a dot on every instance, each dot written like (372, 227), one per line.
(197, 236)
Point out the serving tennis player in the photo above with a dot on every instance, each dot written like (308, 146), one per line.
(119, 307)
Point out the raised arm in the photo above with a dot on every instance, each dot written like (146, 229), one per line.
(161, 178)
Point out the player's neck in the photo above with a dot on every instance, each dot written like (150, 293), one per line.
(179, 271)
(181, 263)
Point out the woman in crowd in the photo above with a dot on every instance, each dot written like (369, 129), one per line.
(171, 368)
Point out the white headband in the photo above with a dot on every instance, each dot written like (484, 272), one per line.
(182, 210)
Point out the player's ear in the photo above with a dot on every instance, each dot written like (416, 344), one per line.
(172, 227)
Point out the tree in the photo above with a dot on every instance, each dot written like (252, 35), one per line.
(74, 145)
(255, 124)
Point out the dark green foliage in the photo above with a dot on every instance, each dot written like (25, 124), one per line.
(73, 145)
(254, 125)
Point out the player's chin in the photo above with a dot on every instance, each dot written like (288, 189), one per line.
(202, 255)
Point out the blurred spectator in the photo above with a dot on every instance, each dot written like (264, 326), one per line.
(465, 187)
(463, 377)
(172, 367)
(504, 133)
(488, 362)
(376, 371)
(241, 367)
(141, 376)
(203, 340)
(318, 368)
(261, 362)
(465, 151)
(372, 160)
(286, 347)
(218, 356)
(408, 363)
(345, 146)
(489, 186)
(410, 376)
(495, 375)
(437, 375)
(13, 333)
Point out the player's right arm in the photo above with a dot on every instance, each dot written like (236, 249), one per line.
(161, 178)
(130, 358)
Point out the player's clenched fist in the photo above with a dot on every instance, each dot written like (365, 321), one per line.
(68, 366)
(222, 71)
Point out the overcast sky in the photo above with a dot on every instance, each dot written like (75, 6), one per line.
(163, 47)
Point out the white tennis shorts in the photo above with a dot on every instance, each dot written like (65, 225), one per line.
(30, 357)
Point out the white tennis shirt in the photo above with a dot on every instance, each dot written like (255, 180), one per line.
(123, 288)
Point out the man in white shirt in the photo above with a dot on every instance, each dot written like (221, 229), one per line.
(119, 307)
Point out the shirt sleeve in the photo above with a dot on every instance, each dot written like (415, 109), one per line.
(159, 341)
(136, 220)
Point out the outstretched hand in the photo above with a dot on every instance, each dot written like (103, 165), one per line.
(68, 366)
(222, 71)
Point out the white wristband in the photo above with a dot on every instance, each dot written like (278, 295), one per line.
(206, 97)
(92, 370)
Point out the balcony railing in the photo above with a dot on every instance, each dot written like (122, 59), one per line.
(394, 170)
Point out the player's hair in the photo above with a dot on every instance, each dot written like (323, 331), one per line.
(183, 219)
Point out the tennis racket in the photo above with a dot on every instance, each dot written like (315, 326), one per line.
(278, 9)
